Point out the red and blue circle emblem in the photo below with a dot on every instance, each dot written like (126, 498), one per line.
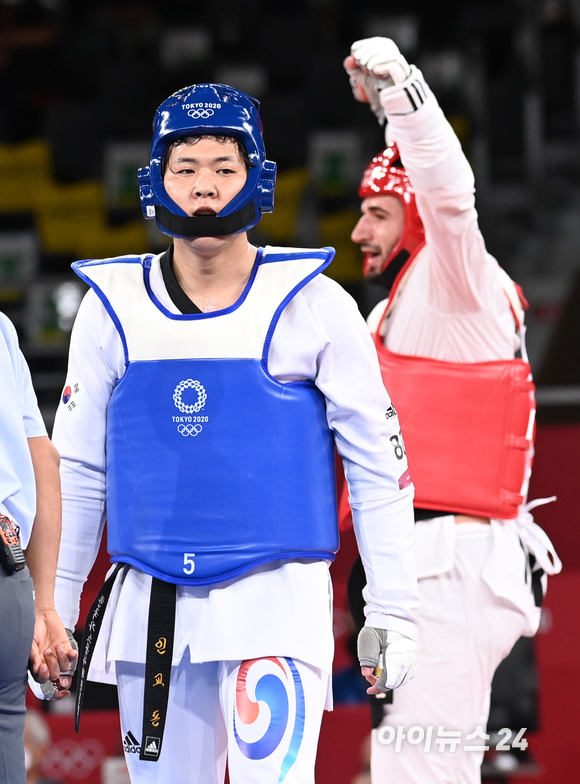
(269, 709)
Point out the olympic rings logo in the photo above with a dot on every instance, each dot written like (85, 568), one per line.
(189, 430)
(201, 397)
(197, 114)
(73, 759)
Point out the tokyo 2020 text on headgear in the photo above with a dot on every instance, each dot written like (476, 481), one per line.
(386, 176)
(208, 109)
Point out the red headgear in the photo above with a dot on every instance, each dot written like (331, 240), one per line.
(386, 176)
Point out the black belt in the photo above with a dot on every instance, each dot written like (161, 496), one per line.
(159, 655)
(160, 634)
(90, 634)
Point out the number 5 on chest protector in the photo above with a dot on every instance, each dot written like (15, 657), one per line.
(189, 567)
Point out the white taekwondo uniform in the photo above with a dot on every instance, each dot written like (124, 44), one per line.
(279, 609)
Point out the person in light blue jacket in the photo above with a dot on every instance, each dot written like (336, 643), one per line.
(30, 520)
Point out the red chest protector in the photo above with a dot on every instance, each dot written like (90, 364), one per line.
(468, 429)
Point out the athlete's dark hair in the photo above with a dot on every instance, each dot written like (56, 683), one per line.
(221, 138)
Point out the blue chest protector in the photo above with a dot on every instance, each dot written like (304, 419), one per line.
(213, 466)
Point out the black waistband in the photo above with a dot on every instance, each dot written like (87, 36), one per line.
(427, 514)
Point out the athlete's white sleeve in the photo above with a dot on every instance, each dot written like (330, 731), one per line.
(452, 306)
(368, 438)
(79, 435)
(463, 276)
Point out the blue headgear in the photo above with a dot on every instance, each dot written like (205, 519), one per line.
(212, 109)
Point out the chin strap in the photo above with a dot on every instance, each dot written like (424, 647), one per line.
(206, 225)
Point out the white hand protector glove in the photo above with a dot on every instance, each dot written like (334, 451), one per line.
(392, 653)
(374, 64)
(381, 58)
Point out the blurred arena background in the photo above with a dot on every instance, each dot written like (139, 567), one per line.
(80, 81)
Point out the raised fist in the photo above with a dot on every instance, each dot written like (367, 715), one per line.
(373, 64)
(381, 58)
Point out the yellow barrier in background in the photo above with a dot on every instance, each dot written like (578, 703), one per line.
(280, 226)
(73, 218)
(24, 168)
